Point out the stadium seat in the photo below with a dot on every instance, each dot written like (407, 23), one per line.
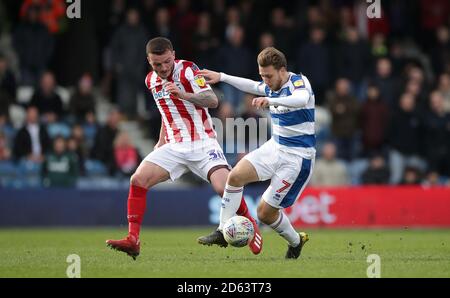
(95, 168)
(58, 129)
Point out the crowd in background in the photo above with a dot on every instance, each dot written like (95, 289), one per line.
(382, 85)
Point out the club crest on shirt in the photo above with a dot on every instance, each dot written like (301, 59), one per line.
(200, 81)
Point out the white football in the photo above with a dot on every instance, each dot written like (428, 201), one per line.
(238, 231)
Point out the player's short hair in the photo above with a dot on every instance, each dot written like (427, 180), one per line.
(271, 56)
(158, 46)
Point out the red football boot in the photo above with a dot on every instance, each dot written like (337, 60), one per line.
(130, 245)
(256, 243)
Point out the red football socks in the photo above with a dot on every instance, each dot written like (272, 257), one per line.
(137, 201)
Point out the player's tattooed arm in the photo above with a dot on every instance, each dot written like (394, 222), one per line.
(206, 99)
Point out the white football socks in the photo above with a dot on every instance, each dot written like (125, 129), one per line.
(231, 201)
(284, 227)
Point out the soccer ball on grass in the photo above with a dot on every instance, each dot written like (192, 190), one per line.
(238, 231)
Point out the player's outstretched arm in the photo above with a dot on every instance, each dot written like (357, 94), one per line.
(246, 85)
(298, 99)
(211, 77)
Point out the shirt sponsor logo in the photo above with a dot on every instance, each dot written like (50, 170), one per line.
(299, 83)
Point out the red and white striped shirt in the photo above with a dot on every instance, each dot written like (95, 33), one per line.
(183, 120)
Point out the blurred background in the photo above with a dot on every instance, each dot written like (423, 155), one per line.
(76, 118)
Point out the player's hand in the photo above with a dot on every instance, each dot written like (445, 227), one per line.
(211, 77)
(173, 89)
(260, 102)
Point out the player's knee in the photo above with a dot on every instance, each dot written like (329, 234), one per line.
(139, 180)
(266, 215)
(234, 179)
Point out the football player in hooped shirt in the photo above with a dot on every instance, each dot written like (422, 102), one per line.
(287, 159)
(187, 140)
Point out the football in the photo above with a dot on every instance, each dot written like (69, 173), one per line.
(238, 231)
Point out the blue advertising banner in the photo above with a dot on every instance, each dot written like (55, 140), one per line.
(58, 207)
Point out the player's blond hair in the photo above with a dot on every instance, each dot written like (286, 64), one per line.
(271, 56)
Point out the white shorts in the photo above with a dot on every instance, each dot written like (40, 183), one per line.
(198, 157)
(289, 173)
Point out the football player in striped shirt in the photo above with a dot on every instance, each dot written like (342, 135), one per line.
(287, 159)
(187, 139)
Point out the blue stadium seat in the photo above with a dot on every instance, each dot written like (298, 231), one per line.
(30, 174)
(95, 168)
(29, 168)
(7, 168)
(58, 129)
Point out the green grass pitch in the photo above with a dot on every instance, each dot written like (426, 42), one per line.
(175, 253)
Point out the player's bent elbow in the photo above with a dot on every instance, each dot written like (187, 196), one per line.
(214, 103)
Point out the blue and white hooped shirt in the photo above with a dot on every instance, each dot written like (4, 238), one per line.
(293, 128)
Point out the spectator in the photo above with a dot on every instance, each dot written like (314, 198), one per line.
(90, 128)
(379, 46)
(411, 176)
(5, 152)
(148, 10)
(55, 127)
(405, 138)
(32, 140)
(204, 42)
(437, 135)
(46, 100)
(374, 119)
(126, 156)
(281, 29)
(235, 59)
(353, 60)
(76, 148)
(129, 61)
(163, 28)
(344, 109)
(83, 101)
(34, 46)
(266, 40)
(60, 167)
(328, 171)
(444, 89)
(432, 179)
(314, 60)
(8, 86)
(386, 82)
(377, 173)
(440, 53)
(103, 148)
(184, 21)
(50, 12)
(7, 129)
(416, 85)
